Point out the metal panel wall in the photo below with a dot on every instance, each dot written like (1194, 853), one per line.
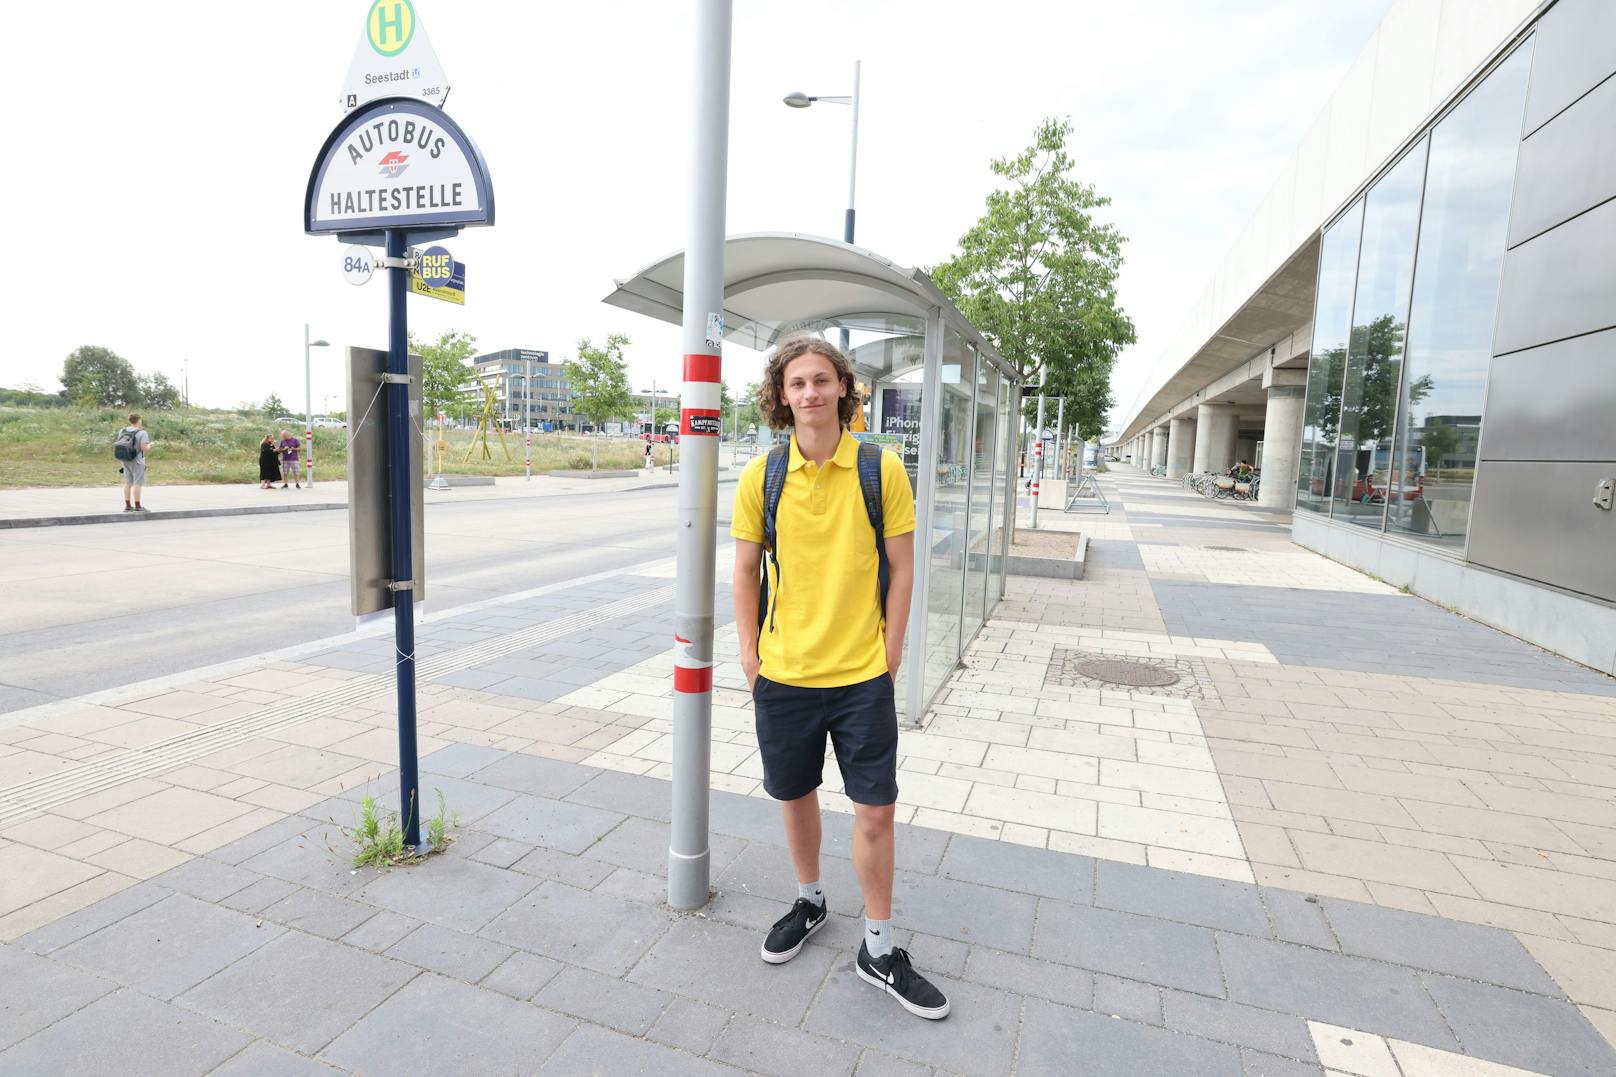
(1538, 520)
(1547, 432)
(1576, 50)
(1557, 402)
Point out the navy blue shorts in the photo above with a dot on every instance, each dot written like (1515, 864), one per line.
(862, 722)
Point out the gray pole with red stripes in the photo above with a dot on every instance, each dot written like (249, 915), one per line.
(700, 421)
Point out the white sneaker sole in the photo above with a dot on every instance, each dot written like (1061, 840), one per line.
(934, 1014)
(782, 958)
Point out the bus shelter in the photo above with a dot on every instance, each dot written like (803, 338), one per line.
(938, 392)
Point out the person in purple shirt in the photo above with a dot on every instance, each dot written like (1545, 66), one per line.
(291, 467)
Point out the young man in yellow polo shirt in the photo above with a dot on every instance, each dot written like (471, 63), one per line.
(824, 660)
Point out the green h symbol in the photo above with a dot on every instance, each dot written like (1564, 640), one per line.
(389, 16)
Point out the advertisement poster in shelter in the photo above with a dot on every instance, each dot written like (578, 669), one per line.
(900, 414)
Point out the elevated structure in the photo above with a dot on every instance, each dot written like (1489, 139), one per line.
(1414, 335)
(936, 383)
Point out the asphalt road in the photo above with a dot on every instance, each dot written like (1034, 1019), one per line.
(95, 607)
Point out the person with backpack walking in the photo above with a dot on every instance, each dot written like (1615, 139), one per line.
(824, 571)
(129, 448)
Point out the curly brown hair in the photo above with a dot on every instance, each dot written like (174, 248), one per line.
(772, 394)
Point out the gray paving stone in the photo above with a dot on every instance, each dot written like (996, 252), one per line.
(604, 1053)
(208, 880)
(127, 1034)
(842, 934)
(1519, 1029)
(256, 897)
(1009, 866)
(1338, 989)
(642, 844)
(455, 893)
(1259, 1064)
(1054, 1037)
(381, 931)
(453, 953)
(1024, 976)
(880, 1064)
(774, 1051)
(1231, 1022)
(554, 824)
(718, 963)
(169, 947)
(693, 1026)
(757, 819)
(918, 849)
(968, 912)
(648, 798)
(501, 852)
(604, 1000)
(465, 801)
(259, 841)
(564, 868)
(53, 991)
(1175, 895)
(977, 1037)
(1294, 918)
(264, 1059)
(1133, 947)
(529, 688)
(932, 954)
(1128, 999)
(318, 989)
(92, 918)
(475, 679)
(522, 974)
(765, 871)
(437, 1025)
(319, 914)
(603, 933)
(321, 858)
(637, 886)
(1428, 942)
(460, 760)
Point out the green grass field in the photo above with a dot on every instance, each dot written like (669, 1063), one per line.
(73, 447)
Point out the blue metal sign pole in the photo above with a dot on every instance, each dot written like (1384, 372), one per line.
(399, 478)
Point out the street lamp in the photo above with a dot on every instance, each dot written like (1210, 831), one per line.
(654, 430)
(527, 408)
(308, 400)
(802, 100)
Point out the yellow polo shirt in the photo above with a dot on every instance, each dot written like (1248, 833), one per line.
(829, 629)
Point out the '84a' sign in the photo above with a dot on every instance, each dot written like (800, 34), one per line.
(397, 163)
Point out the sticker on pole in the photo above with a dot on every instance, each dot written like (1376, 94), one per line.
(357, 266)
(393, 59)
(435, 267)
(397, 164)
(452, 290)
(702, 422)
(715, 330)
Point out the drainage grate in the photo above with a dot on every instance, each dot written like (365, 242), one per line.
(1229, 549)
(1125, 672)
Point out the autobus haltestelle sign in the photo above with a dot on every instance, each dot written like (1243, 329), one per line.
(397, 163)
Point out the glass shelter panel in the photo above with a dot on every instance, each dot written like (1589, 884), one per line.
(1003, 499)
(981, 515)
(1450, 326)
(946, 545)
(1375, 351)
(1338, 272)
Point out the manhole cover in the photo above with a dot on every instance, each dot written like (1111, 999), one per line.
(1122, 671)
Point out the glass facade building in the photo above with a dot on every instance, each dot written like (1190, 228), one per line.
(1403, 324)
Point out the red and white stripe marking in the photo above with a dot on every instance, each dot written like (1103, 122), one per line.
(701, 407)
(690, 674)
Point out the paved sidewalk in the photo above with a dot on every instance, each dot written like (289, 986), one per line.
(1283, 864)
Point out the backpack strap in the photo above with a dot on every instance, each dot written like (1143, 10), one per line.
(869, 475)
(774, 484)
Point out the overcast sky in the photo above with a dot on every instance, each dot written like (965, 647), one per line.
(158, 153)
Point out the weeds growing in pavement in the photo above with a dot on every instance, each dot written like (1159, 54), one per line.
(379, 840)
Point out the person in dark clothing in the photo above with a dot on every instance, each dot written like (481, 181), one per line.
(269, 463)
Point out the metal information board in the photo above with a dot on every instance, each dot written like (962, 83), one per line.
(369, 553)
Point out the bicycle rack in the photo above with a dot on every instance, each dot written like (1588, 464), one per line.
(1087, 483)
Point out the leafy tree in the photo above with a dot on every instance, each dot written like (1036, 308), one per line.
(158, 393)
(751, 415)
(272, 405)
(1439, 440)
(599, 379)
(99, 377)
(663, 417)
(445, 369)
(1037, 275)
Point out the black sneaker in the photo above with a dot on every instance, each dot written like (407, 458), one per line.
(898, 978)
(789, 933)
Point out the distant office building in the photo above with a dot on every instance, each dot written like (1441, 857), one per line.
(1417, 325)
(548, 399)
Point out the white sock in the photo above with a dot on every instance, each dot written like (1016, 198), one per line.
(878, 937)
(812, 892)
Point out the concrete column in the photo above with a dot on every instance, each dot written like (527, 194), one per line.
(1180, 446)
(1158, 447)
(1216, 429)
(1282, 446)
